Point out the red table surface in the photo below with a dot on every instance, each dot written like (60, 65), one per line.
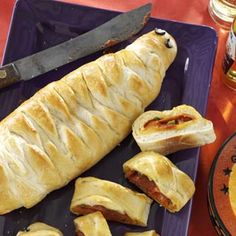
(221, 99)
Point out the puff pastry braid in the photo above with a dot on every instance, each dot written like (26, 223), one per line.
(70, 124)
(160, 179)
(40, 229)
(117, 203)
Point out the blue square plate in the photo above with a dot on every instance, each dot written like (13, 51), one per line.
(37, 25)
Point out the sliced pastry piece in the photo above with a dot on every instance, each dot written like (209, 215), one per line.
(160, 179)
(172, 130)
(40, 229)
(71, 124)
(145, 233)
(92, 224)
(116, 202)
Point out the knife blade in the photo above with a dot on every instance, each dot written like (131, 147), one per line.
(110, 33)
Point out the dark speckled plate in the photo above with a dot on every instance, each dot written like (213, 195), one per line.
(37, 25)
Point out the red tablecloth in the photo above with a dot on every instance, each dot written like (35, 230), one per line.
(221, 99)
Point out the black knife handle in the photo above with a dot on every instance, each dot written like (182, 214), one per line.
(8, 75)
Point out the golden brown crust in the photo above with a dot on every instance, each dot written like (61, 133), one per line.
(40, 229)
(165, 139)
(116, 202)
(173, 188)
(145, 233)
(69, 125)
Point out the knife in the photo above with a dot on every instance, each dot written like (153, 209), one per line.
(110, 33)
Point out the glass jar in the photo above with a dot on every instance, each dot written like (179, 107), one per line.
(229, 62)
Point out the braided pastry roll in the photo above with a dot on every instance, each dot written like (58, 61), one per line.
(70, 124)
(160, 179)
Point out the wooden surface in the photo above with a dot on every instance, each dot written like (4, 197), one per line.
(221, 103)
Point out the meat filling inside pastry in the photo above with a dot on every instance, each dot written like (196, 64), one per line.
(160, 179)
(117, 203)
(169, 131)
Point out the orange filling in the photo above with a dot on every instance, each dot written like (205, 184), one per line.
(169, 122)
(149, 187)
(107, 213)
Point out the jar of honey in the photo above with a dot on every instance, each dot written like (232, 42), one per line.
(229, 62)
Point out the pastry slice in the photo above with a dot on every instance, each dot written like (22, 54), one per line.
(92, 224)
(172, 130)
(40, 229)
(160, 179)
(116, 202)
(145, 233)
